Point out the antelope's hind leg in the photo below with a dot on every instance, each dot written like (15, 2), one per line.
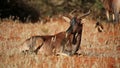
(31, 45)
(28, 46)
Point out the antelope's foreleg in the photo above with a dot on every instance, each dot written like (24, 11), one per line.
(113, 16)
(76, 47)
(108, 15)
(116, 12)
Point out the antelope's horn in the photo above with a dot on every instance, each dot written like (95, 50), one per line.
(71, 13)
(86, 14)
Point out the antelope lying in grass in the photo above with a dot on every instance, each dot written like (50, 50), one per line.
(61, 43)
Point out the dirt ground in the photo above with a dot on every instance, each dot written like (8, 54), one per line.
(100, 45)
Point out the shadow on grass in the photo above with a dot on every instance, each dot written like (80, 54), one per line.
(18, 9)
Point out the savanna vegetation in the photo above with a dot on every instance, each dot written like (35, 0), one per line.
(34, 10)
(22, 19)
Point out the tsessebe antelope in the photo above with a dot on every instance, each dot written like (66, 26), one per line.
(61, 43)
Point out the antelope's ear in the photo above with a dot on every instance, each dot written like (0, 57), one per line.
(66, 18)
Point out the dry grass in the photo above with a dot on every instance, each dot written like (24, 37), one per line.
(12, 34)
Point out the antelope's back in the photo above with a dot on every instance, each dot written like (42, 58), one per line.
(52, 44)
